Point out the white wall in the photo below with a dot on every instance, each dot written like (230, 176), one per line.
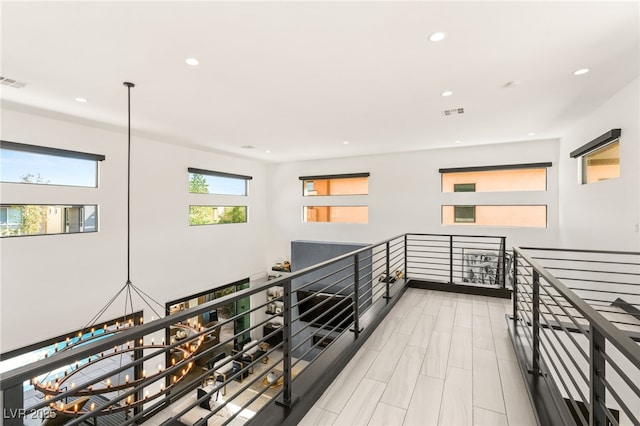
(405, 196)
(56, 283)
(603, 215)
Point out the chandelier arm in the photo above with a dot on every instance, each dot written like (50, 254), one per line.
(142, 292)
(97, 316)
(137, 290)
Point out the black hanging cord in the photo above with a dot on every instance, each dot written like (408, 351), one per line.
(129, 86)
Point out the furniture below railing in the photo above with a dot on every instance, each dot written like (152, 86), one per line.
(459, 263)
(305, 326)
(582, 367)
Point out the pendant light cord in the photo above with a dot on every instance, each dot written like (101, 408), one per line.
(129, 86)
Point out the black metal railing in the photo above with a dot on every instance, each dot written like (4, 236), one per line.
(459, 259)
(300, 322)
(573, 338)
(312, 315)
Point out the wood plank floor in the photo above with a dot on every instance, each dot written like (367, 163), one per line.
(437, 359)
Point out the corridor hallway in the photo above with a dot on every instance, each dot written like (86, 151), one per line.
(437, 359)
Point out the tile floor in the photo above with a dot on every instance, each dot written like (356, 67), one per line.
(437, 359)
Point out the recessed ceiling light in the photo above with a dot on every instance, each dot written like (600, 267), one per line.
(83, 100)
(531, 134)
(192, 61)
(458, 141)
(446, 93)
(438, 36)
(346, 142)
(268, 151)
(581, 71)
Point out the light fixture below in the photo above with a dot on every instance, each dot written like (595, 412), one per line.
(581, 71)
(54, 384)
(437, 36)
(82, 100)
(192, 61)
(446, 93)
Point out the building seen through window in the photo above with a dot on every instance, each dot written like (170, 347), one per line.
(534, 216)
(22, 220)
(601, 164)
(524, 179)
(336, 186)
(343, 214)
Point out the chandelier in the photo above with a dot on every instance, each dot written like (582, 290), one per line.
(61, 382)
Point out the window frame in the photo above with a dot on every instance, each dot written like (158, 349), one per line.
(305, 180)
(481, 205)
(477, 200)
(204, 172)
(457, 219)
(54, 152)
(306, 207)
(521, 166)
(63, 220)
(596, 144)
(246, 215)
(457, 187)
(584, 159)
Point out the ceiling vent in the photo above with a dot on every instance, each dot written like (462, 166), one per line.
(454, 111)
(248, 147)
(11, 82)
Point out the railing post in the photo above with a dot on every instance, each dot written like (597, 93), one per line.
(597, 415)
(386, 294)
(12, 406)
(287, 397)
(503, 256)
(450, 259)
(406, 256)
(536, 322)
(356, 297)
(514, 294)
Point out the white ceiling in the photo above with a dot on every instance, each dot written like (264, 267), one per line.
(300, 78)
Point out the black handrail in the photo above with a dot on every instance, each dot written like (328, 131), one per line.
(556, 362)
(388, 259)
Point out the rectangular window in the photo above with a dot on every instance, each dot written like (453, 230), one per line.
(218, 183)
(464, 187)
(347, 184)
(517, 177)
(22, 219)
(601, 164)
(214, 215)
(600, 157)
(464, 214)
(534, 216)
(22, 163)
(336, 214)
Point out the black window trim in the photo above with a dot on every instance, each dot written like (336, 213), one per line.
(455, 217)
(458, 185)
(500, 167)
(215, 173)
(598, 142)
(57, 152)
(340, 176)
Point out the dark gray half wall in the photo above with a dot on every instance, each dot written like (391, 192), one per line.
(308, 253)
